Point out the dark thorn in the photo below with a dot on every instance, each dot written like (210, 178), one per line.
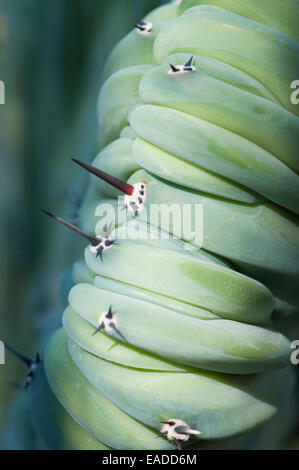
(96, 241)
(182, 430)
(23, 358)
(179, 444)
(109, 230)
(99, 328)
(117, 183)
(99, 251)
(141, 28)
(189, 63)
(173, 68)
(161, 435)
(170, 423)
(117, 331)
(92, 240)
(109, 242)
(109, 313)
(100, 254)
(138, 21)
(28, 381)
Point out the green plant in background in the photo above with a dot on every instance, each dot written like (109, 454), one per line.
(199, 339)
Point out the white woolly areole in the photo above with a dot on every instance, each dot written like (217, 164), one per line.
(106, 322)
(174, 427)
(102, 240)
(182, 70)
(32, 367)
(147, 29)
(135, 202)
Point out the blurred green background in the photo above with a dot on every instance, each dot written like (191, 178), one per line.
(51, 59)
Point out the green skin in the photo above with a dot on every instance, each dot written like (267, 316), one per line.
(200, 344)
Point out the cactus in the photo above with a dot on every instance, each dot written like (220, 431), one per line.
(167, 343)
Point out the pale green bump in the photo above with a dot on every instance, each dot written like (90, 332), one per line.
(118, 94)
(156, 299)
(108, 347)
(221, 290)
(264, 11)
(133, 49)
(56, 426)
(259, 239)
(223, 72)
(176, 170)
(222, 35)
(220, 345)
(97, 414)
(218, 405)
(221, 151)
(128, 133)
(257, 119)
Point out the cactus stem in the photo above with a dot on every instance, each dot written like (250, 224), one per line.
(113, 326)
(99, 328)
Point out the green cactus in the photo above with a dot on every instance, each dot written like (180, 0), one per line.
(193, 336)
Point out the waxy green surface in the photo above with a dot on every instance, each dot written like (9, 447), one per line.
(220, 345)
(199, 341)
(58, 429)
(98, 415)
(263, 52)
(218, 405)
